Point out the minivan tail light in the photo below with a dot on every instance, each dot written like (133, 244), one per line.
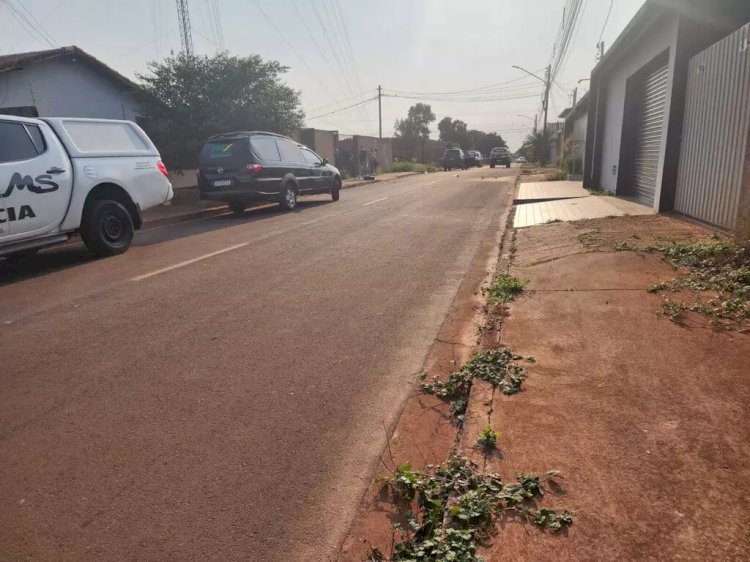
(162, 168)
(253, 168)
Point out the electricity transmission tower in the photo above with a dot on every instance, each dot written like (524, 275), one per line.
(186, 34)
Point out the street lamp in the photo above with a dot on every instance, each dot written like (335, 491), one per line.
(530, 119)
(546, 80)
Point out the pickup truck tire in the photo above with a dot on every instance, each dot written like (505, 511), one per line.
(288, 197)
(336, 190)
(107, 228)
(237, 207)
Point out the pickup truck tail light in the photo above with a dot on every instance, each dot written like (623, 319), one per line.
(253, 168)
(162, 168)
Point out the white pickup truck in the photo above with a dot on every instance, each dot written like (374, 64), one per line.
(66, 176)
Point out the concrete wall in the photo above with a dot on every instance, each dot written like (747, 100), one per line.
(65, 88)
(661, 37)
(322, 142)
(578, 136)
(426, 151)
(377, 150)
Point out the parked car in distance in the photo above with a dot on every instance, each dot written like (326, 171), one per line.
(499, 156)
(453, 158)
(521, 160)
(66, 176)
(241, 167)
(473, 159)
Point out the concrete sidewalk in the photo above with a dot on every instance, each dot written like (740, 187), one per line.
(647, 420)
(187, 205)
(564, 201)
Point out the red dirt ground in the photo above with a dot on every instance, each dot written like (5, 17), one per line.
(646, 419)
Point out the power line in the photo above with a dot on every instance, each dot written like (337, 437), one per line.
(462, 100)
(342, 109)
(291, 48)
(344, 100)
(33, 29)
(349, 53)
(335, 52)
(606, 20)
(326, 60)
(471, 90)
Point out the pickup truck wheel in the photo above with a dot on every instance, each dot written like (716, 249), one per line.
(107, 228)
(288, 197)
(336, 190)
(237, 207)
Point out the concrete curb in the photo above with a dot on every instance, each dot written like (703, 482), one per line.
(376, 180)
(213, 211)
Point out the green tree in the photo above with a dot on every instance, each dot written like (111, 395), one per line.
(533, 147)
(453, 131)
(416, 125)
(489, 141)
(188, 98)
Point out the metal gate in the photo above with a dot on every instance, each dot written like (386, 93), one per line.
(717, 117)
(652, 102)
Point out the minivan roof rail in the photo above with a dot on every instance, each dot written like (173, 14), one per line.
(247, 134)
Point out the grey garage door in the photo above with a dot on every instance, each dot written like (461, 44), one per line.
(652, 101)
(717, 119)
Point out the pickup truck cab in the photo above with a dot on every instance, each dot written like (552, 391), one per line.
(66, 176)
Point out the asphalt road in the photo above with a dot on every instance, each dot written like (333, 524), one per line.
(220, 391)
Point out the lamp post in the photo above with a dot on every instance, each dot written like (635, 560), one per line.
(547, 83)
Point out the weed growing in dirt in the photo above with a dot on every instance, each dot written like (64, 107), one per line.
(498, 367)
(487, 439)
(719, 268)
(675, 311)
(452, 507)
(557, 176)
(625, 246)
(504, 289)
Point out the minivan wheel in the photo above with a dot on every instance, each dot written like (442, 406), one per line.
(336, 189)
(237, 207)
(107, 228)
(288, 200)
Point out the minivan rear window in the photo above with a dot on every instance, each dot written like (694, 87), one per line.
(224, 151)
(455, 152)
(266, 148)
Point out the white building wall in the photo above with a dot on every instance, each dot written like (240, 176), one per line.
(578, 138)
(646, 48)
(65, 88)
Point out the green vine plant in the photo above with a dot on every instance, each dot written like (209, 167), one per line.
(499, 367)
(450, 509)
(487, 439)
(720, 269)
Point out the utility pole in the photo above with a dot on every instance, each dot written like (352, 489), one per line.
(380, 110)
(575, 96)
(535, 122)
(547, 80)
(547, 86)
(186, 34)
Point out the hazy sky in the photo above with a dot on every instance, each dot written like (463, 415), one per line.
(425, 46)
